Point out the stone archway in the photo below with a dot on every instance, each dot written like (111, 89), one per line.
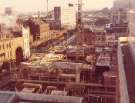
(19, 55)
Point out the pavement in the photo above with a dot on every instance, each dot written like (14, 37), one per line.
(129, 72)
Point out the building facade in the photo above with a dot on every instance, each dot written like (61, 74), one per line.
(15, 48)
(131, 25)
(26, 41)
(119, 17)
(122, 4)
(57, 13)
(68, 17)
(127, 53)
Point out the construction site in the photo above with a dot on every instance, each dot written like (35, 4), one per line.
(64, 65)
(65, 74)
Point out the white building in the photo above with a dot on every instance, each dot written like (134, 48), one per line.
(26, 42)
(68, 17)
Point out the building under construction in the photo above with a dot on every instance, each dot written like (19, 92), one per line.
(90, 78)
(81, 68)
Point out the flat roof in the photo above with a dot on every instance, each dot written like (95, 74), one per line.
(7, 97)
(56, 92)
(60, 65)
(103, 60)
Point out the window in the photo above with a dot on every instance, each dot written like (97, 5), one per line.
(7, 45)
(11, 53)
(3, 46)
(10, 45)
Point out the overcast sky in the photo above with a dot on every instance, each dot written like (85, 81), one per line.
(40, 5)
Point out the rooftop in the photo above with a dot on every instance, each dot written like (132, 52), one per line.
(103, 60)
(10, 97)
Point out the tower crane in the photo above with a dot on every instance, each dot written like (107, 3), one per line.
(79, 25)
(79, 16)
(79, 28)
